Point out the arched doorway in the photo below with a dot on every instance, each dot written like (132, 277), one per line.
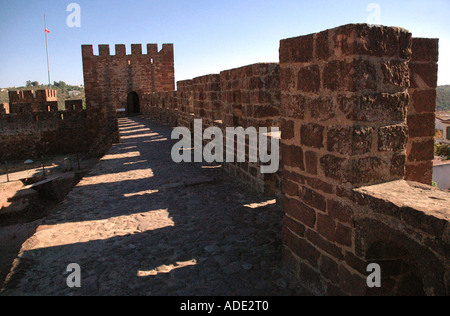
(133, 106)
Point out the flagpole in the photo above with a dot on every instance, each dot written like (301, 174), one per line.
(46, 46)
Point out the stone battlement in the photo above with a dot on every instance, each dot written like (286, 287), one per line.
(120, 50)
(23, 96)
(356, 107)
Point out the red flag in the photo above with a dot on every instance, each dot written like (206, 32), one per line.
(46, 30)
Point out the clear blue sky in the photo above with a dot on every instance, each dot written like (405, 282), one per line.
(209, 35)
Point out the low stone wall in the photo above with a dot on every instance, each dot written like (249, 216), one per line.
(33, 135)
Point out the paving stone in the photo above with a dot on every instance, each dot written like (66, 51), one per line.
(139, 224)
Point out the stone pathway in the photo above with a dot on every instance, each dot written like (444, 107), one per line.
(140, 224)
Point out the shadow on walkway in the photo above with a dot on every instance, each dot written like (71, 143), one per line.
(139, 224)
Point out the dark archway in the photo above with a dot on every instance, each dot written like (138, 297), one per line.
(133, 105)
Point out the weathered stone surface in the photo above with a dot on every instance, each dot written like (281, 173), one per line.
(33, 126)
(425, 202)
(134, 232)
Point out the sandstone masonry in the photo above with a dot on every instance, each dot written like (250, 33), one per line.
(31, 126)
(356, 106)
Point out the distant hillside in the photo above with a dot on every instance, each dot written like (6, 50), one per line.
(65, 92)
(443, 98)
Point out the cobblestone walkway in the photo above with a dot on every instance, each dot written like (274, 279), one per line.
(140, 224)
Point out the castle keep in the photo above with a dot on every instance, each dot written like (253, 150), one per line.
(116, 83)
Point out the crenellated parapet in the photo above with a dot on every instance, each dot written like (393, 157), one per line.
(356, 107)
(115, 84)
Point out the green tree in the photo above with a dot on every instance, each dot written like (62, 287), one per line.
(442, 150)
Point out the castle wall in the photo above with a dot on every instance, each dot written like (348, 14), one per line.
(31, 126)
(4, 108)
(355, 106)
(422, 110)
(109, 79)
(248, 96)
(356, 109)
(36, 135)
(347, 93)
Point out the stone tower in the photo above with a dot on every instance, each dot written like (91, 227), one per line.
(116, 83)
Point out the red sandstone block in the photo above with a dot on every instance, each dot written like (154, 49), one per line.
(395, 74)
(294, 226)
(287, 81)
(332, 166)
(329, 269)
(356, 263)
(378, 107)
(363, 39)
(287, 129)
(87, 51)
(349, 140)
(322, 50)
(103, 50)
(343, 235)
(398, 165)
(326, 227)
(299, 211)
(430, 224)
(311, 162)
(323, 244)
(355, 284)
(293, 106)
(424, 101)
(340, 211)
(309, 79)
(350, 76)
(392, 138)
(320, 185)
(272, 82)
(423, 76)
(245, 97)
(297, 50)
(356, 171)
(289, 188)
(321, 108)
(120, 50)
(425, 50)
(366, 171)
(351, 195)
(306, 251)
(421, 125)
(312, 135)
(292, 156)
(421, 150)
(421, 172)
(313, 199)
(334, 232)
(256, 83)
